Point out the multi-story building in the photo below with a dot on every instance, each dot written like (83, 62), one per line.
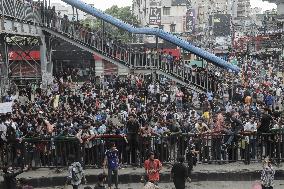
(280, 6)
(69, 11)
(165, 14)
(243, 8)
(187, 16)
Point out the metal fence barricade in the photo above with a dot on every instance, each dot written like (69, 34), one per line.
(207, 147)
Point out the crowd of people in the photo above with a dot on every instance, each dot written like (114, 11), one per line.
(46, 126)
(137, 109)
(250, 102)
(150, 58)
(237, 117)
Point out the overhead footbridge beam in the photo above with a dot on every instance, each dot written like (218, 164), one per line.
(153, 31)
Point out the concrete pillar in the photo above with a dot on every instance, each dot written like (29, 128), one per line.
(99, 67)
(123, 70)
(45, 62)
(4, 67)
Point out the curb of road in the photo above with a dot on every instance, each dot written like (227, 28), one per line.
(165, 177)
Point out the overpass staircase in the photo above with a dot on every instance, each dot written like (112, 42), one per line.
(121, 55)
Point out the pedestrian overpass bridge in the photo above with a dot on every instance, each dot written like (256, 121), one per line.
(26, 20)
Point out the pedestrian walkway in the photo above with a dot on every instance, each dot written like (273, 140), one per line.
(196, 185)
(212, 172)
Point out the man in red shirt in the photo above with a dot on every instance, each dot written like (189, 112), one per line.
(153, 167)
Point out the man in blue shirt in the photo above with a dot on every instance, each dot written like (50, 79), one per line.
(209, 96)
(170, 60)
(269, 101)
(111, 160)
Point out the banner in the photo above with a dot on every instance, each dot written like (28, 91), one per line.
(6, 107)
(190, 21)
(56, 101)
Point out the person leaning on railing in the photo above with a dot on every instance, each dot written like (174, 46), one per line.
(250, 128)
(84, 135)
(263, 130)
(133, 128)
(145, 139)
(160, 132)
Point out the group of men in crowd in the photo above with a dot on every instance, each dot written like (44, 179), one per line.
(136, 57)
(140, 109)
(242, 112)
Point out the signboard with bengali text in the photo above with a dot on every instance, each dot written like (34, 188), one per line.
(155, 16)
(190, 21)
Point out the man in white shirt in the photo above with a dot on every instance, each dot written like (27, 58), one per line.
(250, 128)
(164, 98)
(278, 93)
(151, 90)
(84, 136)
(3, 130)
(201, 127)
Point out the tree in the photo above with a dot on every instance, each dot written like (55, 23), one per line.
(124, 13)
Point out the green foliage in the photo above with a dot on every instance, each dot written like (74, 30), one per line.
(92, 22)
(124, 14)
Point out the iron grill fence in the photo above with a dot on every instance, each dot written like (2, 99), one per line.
(133, 150)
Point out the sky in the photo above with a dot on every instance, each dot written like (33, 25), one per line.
(264, 5)
(104, 4)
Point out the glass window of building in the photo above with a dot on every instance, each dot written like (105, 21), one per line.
(172, 28)
(167, 11)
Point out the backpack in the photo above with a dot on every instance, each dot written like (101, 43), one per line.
(77, 172)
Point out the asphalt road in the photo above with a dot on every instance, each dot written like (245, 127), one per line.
(199, 185)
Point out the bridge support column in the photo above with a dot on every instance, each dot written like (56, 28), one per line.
(4, 67)
(99, 67)
(123, 71)
(46, 61)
